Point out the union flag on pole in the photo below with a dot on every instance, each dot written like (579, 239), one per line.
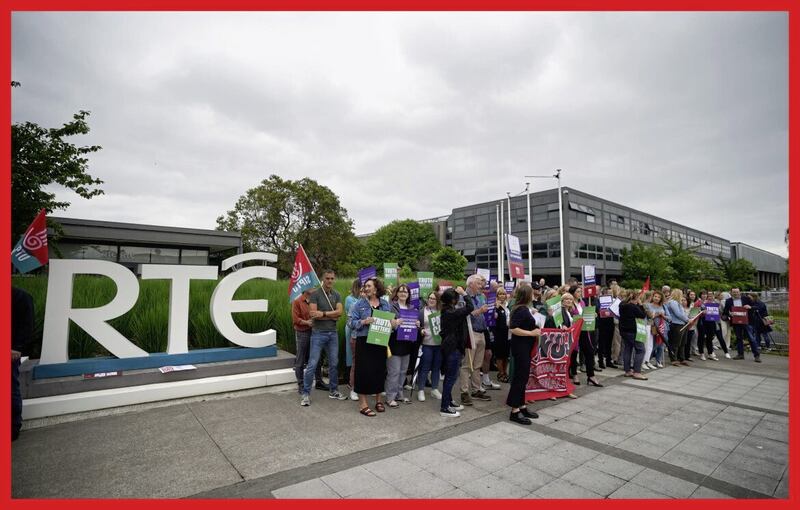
(31, 250)
(303, 275)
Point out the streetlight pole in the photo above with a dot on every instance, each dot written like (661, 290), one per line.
(499, 260)
(530, 243)
(557, 176)
(508, 194)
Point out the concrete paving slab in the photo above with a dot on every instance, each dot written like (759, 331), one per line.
(524, 476)
(563, 489)
(604, 437)
(615, 466)
(706, 493)
(665, 484)
(596, 481)
(702, 465)
(421, 484)
(310, 489)
(460, 472)
(634, 491)
(491, 486)
(736, 475)
(552, 465)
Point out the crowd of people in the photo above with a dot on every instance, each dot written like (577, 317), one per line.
(634, 334)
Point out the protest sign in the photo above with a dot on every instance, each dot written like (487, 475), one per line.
(588, 273)
(589, 318)
(488, 315)
(712, 312)
(738, 315)
(413, 291)
(443, 286)
(605, 307)
(381, 329)
(641, 330)
(509, 286)
(407, 331)
(615, 307)
(390, 273)
(550, 358)
(554, 307)
(485, 273)
(516, 269)
(367, 273)
(435, 325)
(425, 280)
(694, 312)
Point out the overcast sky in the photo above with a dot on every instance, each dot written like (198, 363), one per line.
(682, 115)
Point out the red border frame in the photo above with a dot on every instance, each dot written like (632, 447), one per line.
(404, 5)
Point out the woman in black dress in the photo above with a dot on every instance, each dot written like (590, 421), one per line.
(500, 333)
(524, 333)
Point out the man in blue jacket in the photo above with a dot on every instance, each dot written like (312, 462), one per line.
(742, 330)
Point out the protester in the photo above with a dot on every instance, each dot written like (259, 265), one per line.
(325, 308)
(724, 326)
(677, 335)
(470, 374)
(501, 334)
(762, 325)
(370, 372)
(707, 327)
(302, 322)
(660, 328)
(397, 364)
(584, 341)
(431, 360)
(743, 331)
(605, 334)
(349, 339)
(567, 301)
(629, 310)
(720, 325)
(524, 333)
(648, 345)
(455, 337)
(21, 342)
(616, 341)
(691, 331)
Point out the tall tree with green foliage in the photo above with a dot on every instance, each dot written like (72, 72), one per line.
(739, 271)
(402, 241)
(641, 261)
(41, 157)
(279, 214)
(448, 263)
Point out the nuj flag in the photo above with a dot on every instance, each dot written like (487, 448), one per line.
(303, 275)
(31, 250)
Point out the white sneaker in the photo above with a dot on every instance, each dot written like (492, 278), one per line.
(421, 396)
(650, 366)
(702, 357)
(728, 355)
(713, 357)
(450, 413)
(645, 366)
(436, 394)
(659, 365)
(305, 401)
(353, 395)
(457, 408)
(490, 386)
(408, 387)
(695, 351)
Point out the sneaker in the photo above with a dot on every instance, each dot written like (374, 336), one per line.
(713, 357)
(739, 356)
(695, 351)
(645, 366)
(466, 399)
(455, 407)
(305, 401)
(353, 395)
(659, 365)
(406, 400)
(490, 386)
(322, 386)
(702, 357)
(436, 394)
(757, 359)
(337, 396)
(408, 387)
(421, 396)
(728, 355)
(649, 366)
(481, 395)
(449, 413)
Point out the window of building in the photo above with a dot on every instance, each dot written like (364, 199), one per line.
(146, 255)
(194, 257)
(88, 251)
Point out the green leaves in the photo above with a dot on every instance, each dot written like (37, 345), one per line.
(448, 263)
(404, 242)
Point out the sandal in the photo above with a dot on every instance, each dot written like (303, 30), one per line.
(639, 377)
(380, 407)
(393, 404)
(368, 412)
(572, 395)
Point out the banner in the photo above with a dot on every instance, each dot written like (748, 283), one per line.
(381, 329)
(589, 318)
(31, 249)
(303, 276)
(390, 273)
(590, 291)
(413, 290)
(739, 315)
(509, 286)
(549, 372)
(516, 269)
(407, 331)
(443, 286)
(712, 312)
(488, 315)
(554, 307)
(425, 280)
(588, 273)
(605, 307)
(641, 330)
(615, 307)
(367, 273)
(435, 325)
(483, 272)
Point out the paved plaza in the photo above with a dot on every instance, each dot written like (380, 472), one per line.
(712, 430)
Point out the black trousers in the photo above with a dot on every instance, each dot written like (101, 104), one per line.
(521, 351)
(605, 334)
(707, 330)
(587, 350)
(677, 338)
(687, 345)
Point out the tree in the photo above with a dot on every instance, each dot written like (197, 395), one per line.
(739, 270)
(402, 241)
(40, 157)
(448, 263)
(641, 261)
(683, 260)
(279, 214)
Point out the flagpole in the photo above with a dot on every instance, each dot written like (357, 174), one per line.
(316, 275)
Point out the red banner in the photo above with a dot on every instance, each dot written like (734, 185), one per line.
(550, 358)
(739, 315)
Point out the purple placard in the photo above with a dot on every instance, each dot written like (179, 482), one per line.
(509, 286)
(712, 312)
(408, 329)
(367, 273)
(491, 299)
(413, 289)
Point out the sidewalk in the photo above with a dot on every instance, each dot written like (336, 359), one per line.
(715, 429)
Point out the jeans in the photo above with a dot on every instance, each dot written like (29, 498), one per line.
(658, 352)
(348, 348)
(706, 330)
(328, 340)
(766, 336)
(721, 336)
(396, 367)
(452, 362)
(16, 399)
(302, 342)
(430, 362)
(629, 344)
(745, 331)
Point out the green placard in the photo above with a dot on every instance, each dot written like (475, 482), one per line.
(589, 317)
(425, 280)
(435, 323)
(641, 330)
(694, 312)
(554, 307)
(381, 329)
(390, 273)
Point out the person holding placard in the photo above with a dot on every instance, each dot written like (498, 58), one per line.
(605, 328)
(401, 347)
(719, 323)
(455, 338)
(349, 340)
(501, 334)
(707, 326)
(524, 332)
(370, 371)
(470, 367)
(737, 311)
(677, 334)
(644, 299)
(655, 310)
(584, 342)
(431, 361)
(633, 330)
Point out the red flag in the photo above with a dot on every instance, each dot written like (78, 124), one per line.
(31, 250)
(303, 276)
(646, 285)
